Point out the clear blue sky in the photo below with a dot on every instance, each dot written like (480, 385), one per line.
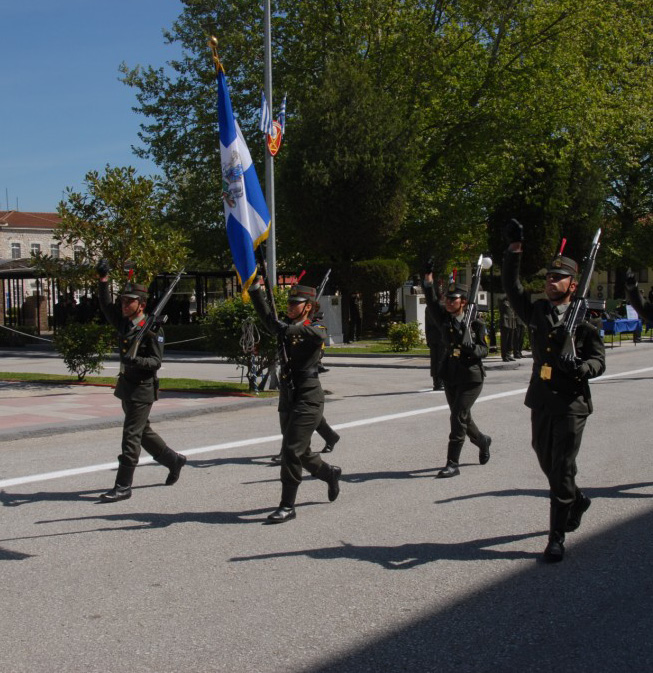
(63, 110)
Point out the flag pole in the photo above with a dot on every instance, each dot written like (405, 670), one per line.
(270, 246)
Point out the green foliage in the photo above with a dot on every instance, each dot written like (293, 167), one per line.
(223, 327)
(404, 336)
(84, 347)
(373, 276)
(120, 217)
(379, 275)
(410, 123)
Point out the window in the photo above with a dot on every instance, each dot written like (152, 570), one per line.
(79, 253)
(15, 251)
(35, 248)
(54, 250)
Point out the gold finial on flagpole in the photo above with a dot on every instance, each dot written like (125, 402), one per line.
(213, 45)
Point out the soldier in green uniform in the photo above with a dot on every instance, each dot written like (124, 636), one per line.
(644, 309)
(301, 398)
(558, 393)
(508, 329)
(137, 386)
(462, 370)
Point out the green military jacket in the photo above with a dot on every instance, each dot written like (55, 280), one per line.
(459, 366)
(550, 387)
(303, 343)
(138, 380)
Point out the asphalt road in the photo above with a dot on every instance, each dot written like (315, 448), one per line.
(402, 573)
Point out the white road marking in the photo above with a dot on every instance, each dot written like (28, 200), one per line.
(60, 474)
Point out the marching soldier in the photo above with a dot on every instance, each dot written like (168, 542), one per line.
(558, 393)
(301, 398)
(462, 371)
(644, 309)
(508, 330)
(137, 386)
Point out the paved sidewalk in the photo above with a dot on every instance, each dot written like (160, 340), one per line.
(30, 409)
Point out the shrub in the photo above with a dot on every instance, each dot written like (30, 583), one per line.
(223, 327)
(404, 336)
(84, 347)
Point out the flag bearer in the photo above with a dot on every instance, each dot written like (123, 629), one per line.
(301, 398)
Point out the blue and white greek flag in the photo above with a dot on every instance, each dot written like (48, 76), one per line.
(282, 116)
(266, 117)
(245, 210)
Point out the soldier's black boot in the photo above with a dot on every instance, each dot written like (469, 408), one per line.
(555, 549)
(330, 474)
(578, 508)
(286, 510)
(484, 450)
(174, 462)
(451, 470)
(331, 442)
(122, 489)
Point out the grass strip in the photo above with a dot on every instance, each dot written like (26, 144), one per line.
(184, 385)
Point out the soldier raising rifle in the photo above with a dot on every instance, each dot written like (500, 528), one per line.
(462, 371)
(567, 352)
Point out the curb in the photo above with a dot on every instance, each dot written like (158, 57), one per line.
(45, 430)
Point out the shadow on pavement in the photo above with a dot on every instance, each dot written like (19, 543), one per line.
(8, 555)
(590, 613)
(617, 491)
(406, 556)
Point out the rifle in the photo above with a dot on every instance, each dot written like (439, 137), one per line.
(322, 285)
(154, 320)
(578, 309)
(283, 354)
(472, 299)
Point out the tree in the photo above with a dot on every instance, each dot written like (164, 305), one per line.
(120, 217)
(234, 330)
(373, 276)
(628, 240)
(343, 181)
(84, 347)
(472, 97)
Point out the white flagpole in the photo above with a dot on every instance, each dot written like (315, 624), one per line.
(271, 247)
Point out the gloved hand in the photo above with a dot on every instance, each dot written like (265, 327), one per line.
(572, 365)
(467, 344)
(429, 266)
(631, 281)
(513, 232)
(103, 268)
(130, 361)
